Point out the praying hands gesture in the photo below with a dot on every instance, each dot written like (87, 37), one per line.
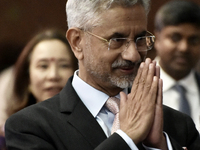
(141, 114)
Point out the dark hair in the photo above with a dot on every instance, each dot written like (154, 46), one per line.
(21, 79)
(177, 12)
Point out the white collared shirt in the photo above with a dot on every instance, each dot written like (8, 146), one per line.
(171, 96)
(94, 101)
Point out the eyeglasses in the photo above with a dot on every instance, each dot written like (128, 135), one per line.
(142, 44)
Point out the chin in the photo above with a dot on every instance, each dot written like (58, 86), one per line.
(122, 83)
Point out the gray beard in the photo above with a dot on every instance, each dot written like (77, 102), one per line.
(122, 82)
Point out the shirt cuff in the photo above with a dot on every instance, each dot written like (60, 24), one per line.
(169, 145)
(132, 145)
(127, 139)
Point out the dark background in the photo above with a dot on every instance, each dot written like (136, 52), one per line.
(21, 19)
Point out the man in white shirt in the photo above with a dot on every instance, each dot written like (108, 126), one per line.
(177, 30)
(110, 40)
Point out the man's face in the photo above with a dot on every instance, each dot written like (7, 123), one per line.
(108, 70)
(179, 48)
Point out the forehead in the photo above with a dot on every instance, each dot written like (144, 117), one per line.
(125, 19)
(185, 29)
(50, 49)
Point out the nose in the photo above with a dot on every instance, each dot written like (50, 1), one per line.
(183, 45)
(53, 73)
(130, 52)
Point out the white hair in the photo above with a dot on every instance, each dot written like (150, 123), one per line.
(85, 14)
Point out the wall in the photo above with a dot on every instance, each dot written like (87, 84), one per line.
(20, 19)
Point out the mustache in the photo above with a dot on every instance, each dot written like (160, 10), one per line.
(125, 63)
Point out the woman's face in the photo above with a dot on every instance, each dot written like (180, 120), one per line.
(50, 67)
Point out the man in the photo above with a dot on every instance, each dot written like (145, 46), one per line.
(177, 30)
(110, 40)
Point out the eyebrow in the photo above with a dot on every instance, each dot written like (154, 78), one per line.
(117, 34)
(121, 35)
(143, 33)
(53, 59)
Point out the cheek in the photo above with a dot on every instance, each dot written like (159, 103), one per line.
(195, 55)
(66, 74)
(196, 52)
(165, 48)
(36, 83)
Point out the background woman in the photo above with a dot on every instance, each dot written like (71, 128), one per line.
(41, 71)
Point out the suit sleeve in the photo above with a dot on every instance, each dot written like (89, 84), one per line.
(23, 133)
(181, 130)
(192, 138)
(117, 143)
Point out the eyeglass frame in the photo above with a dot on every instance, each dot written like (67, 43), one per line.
(127, 43)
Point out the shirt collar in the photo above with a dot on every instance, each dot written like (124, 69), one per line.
(169, 82)
(92, 98)
(190, 83)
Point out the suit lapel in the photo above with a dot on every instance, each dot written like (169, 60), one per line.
(87, 125)
(197, 77)
(80, 117)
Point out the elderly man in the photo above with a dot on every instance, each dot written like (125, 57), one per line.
(110, 40)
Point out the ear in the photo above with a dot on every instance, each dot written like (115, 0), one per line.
(75, 37)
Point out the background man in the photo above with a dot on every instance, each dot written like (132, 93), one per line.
(177, 30)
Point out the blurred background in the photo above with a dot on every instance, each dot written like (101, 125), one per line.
(21, 19)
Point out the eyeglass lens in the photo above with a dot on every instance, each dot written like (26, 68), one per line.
(142, 43)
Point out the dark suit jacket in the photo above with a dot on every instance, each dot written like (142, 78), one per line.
(64, 123)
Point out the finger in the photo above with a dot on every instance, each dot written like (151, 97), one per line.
(153, 91)
(156, 133)
(160, 93)
(137, 78)
(158, 71)
(140, 80)
(144, 74)
(149, 79)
